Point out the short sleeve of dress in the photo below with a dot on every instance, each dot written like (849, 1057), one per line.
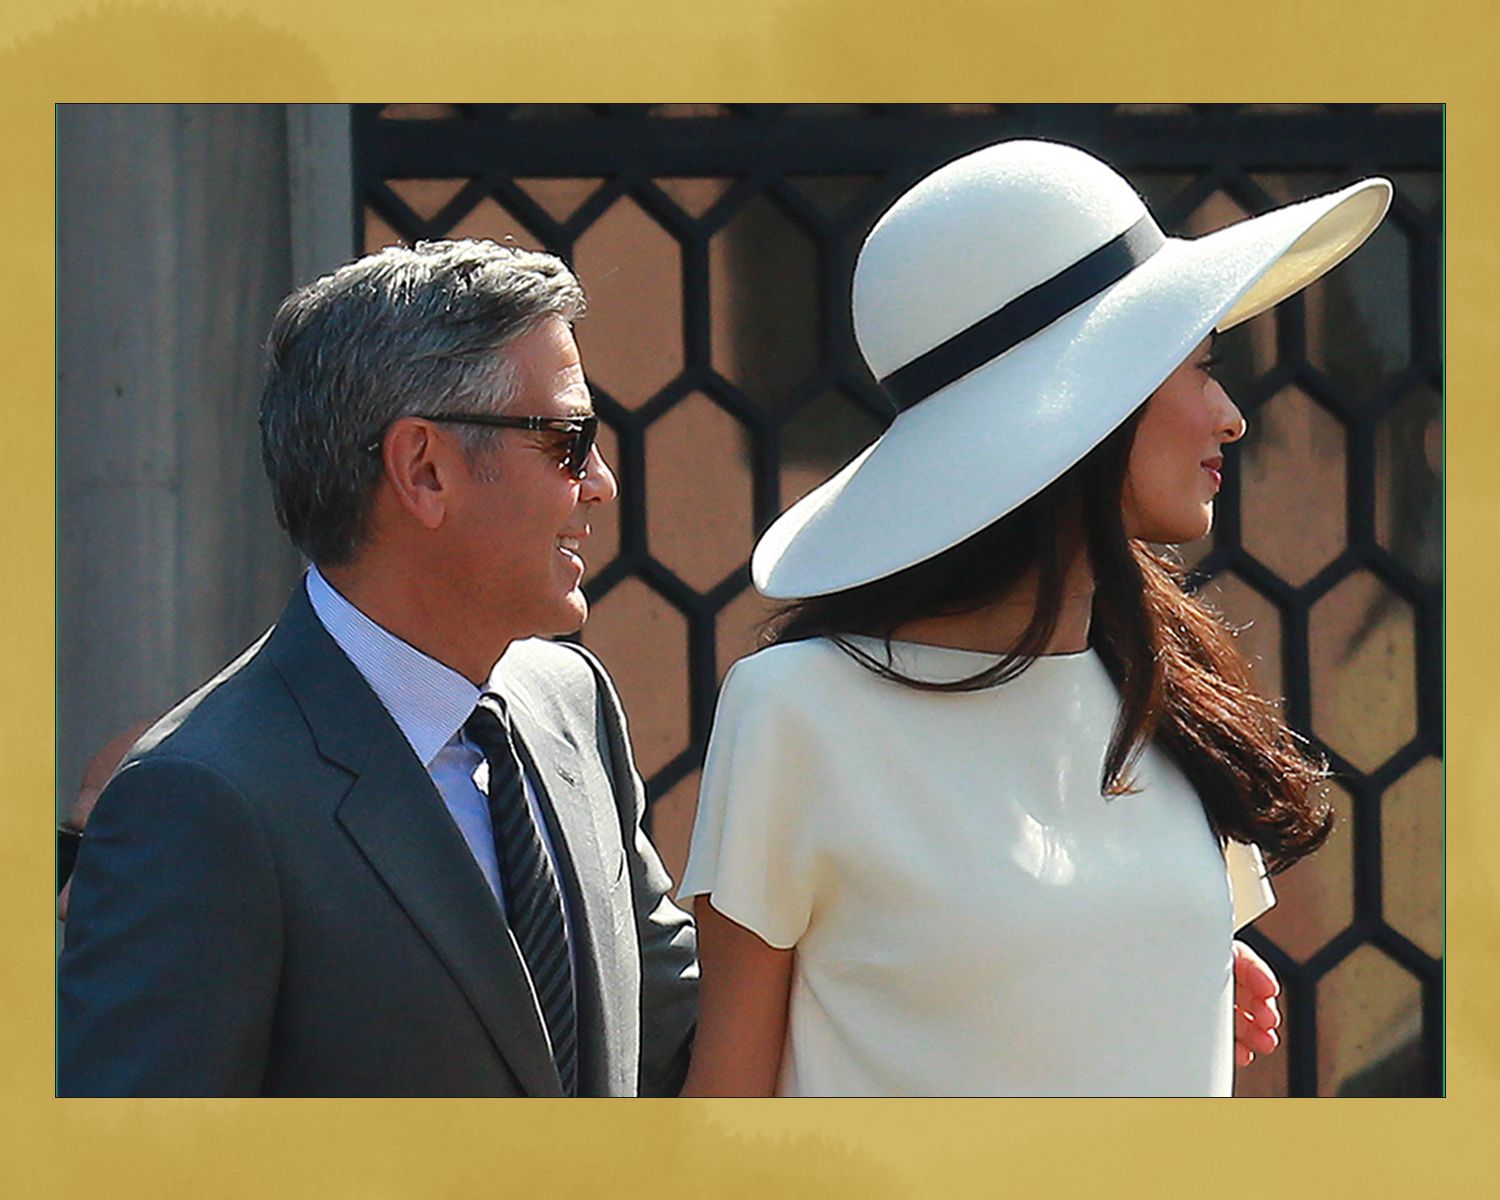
(1249, 884)
(751, 849)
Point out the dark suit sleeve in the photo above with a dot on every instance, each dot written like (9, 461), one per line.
(668, 939)
(167, 981)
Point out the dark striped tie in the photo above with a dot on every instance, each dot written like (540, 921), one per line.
(533, 903)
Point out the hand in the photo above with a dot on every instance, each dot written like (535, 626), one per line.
(1256, 1015)
(95, 776)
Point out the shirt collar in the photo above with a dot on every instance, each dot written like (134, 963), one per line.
(428, 701)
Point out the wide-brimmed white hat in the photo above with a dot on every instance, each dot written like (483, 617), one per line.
(1018, 304)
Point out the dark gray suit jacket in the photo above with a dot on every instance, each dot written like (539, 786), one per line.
(272, 898)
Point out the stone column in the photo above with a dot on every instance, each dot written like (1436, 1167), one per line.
(176, 242)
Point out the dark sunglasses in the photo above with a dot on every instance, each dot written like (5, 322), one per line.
(580, 430)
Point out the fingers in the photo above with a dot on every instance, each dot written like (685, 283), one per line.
(1257, 1016)
(62, 901)
(1253, 977)
(1257, 1012)
(1244, 1055)
(1254, 1037)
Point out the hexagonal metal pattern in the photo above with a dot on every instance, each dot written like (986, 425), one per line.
(1411, 845)
(700, 499)
(1359, 328)
(763, 289)
(717, 243)
(821, 438)
(1362, 639)
(631, 338)
(1292, 486)
(1257, 625)
(1372, 1010)
(1409, 482)
(644, 639)
(1315, 898)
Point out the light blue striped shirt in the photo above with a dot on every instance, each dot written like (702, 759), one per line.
(429, 703)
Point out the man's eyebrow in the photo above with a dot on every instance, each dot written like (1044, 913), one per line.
(584, 407)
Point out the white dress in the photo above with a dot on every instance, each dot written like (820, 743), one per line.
(970, 915)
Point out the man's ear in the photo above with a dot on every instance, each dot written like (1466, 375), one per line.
(419, 467)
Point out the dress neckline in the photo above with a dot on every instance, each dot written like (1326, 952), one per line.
(947, 664)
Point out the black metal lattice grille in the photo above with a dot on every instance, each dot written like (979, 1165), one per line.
(1365, 382)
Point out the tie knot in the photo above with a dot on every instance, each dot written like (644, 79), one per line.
(488, 726)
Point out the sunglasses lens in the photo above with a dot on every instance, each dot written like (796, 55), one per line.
(583, 443)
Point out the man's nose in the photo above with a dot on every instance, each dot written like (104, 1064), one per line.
(600, 482)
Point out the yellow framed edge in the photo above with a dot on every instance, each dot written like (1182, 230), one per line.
(828, 50)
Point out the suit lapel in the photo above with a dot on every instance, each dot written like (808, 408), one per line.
(585, 873)
(412, 844)
(395, 816)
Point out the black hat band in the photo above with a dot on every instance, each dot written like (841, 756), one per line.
(1031, 311)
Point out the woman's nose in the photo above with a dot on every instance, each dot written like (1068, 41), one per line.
(1232, 426)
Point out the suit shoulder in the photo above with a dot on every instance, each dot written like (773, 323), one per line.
(234, 714)
(537, 662)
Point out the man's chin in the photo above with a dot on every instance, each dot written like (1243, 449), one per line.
(576, 612)
(559, 620)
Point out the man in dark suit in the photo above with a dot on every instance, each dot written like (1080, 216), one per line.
(396, 847)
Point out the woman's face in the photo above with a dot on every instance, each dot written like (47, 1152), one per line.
(1176, 461)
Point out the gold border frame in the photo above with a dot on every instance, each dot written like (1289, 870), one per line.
(78, 50)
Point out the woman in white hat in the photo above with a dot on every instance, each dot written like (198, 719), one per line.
(985, 819)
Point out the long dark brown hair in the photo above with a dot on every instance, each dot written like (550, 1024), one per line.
(1181, 681)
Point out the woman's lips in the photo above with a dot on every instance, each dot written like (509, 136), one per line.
(1215, 468)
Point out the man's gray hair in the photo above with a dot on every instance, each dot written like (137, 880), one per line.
(398, 333)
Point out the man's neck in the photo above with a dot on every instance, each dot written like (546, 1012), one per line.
(399, 602)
